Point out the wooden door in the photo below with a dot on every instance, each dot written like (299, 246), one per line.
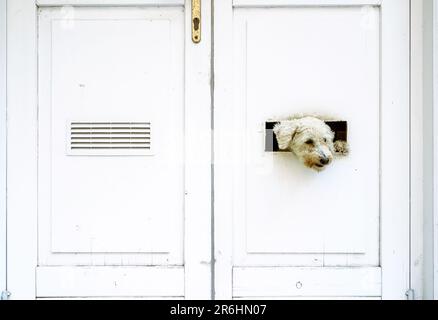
(282, 230)
(135, 221)
(123, 154)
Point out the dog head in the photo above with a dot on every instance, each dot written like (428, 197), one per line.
(310, 139)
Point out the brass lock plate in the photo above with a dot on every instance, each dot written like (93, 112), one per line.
(196, 21)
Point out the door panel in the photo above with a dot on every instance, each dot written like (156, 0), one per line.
(112, 79)
(115, 184)
(340, 82)
(306, 281)
(326, 231)
(103, 281)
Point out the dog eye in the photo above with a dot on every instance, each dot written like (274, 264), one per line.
(325, 139)
(310, 141)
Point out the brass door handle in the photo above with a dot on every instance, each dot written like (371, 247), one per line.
(196, 21)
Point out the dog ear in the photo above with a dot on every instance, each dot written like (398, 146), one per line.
(341, 148)
(285, 131)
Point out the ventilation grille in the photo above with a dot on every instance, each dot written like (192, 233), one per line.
(106, 138)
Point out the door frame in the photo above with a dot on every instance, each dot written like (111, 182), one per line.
(395, 202)
(219, 77)
(22, 152)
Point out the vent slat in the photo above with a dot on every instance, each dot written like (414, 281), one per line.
(109, 138)
(109, 133)
(109, 127)
(101, 136)
(109, 142)
(108, 123)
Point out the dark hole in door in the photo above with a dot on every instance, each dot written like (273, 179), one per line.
(196, 24)
(340, 128)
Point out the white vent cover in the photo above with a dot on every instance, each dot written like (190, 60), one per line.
(109, 138)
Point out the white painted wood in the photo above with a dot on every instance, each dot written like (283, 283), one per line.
(109, 281)
(223, 130)
(233, 248)
(140, 198)
(286, 3)
(335, 260)
(394, 145)
(198, 237)
(181, 244)
(22, 148)
(435, 146)
(306, 282)
(2, 145)
(43, 3)
(417, 148)
(428, 135)
(348, 51)
(197, 262)
(223, 155)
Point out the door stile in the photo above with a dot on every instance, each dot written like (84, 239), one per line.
(197, 247)
(223, 96)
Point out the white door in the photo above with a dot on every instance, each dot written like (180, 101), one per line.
(285, 231)
(109, 150)
(123, 154)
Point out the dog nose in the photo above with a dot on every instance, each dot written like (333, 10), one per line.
(324, 160)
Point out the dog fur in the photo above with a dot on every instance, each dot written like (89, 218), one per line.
(311, 140)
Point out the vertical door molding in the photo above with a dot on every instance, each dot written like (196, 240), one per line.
(435, 147)
(197, 228)
(22, 147)
(395, 99)
(223, 101)
(417, 149)
(2, 145)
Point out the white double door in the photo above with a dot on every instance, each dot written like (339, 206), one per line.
(130, 167)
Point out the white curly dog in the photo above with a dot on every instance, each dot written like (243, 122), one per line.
(311, 140)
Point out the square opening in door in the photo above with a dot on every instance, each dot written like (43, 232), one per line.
(339, 127)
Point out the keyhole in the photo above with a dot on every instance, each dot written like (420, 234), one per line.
(196, 24)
